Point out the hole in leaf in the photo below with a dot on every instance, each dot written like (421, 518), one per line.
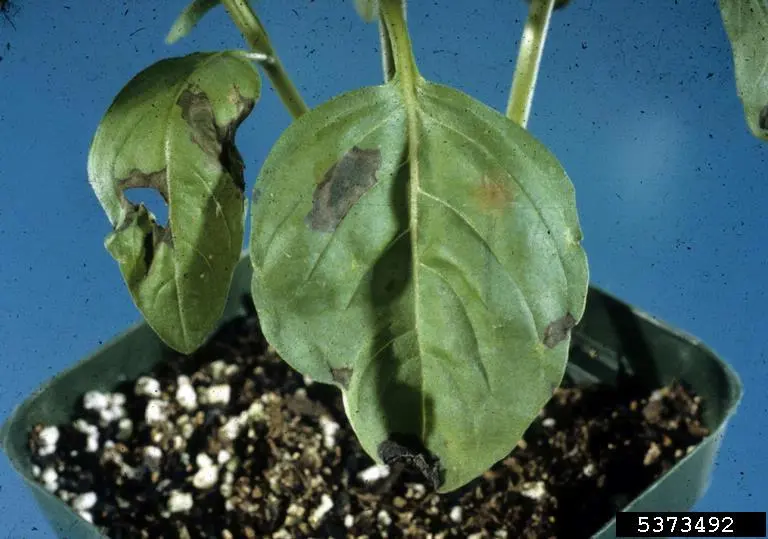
(151, 200)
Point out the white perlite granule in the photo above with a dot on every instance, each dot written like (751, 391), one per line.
(534, 491)
(48, 437)
(230, 430)
(147, 387)
(152, 456)
(219, 394)
(208, 474)
(330, 428)
(91, 431)
(50, 479)
(383, 518)
(95, 400)
(326, 504)
(223, 456)
(85, 501)
(125, 428)
(186, 395)
(180, 501)
(206, 478)
(374, 473)
(455, 514)
(156, 412)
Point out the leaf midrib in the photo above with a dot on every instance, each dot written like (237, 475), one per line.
(409, 84)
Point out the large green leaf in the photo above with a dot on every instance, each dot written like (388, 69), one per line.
(746, 22)
(172, 129)
(423, 253)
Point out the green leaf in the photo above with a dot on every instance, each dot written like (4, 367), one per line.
(189, 18)
(172, 129)
(422, 252)
(367, 9)
(746, 22)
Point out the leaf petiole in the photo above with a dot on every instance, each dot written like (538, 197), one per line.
(528, 61)
(259, 57)
(256, 36)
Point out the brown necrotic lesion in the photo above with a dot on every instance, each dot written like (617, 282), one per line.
(559, 330)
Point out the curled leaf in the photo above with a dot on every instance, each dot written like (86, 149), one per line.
(422, 252)
(189, 18)
(746, 23)
(172, 129)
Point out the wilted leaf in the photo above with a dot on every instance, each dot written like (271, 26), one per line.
(422, 253)
(367, 9)
(172, 129)
(746, 22)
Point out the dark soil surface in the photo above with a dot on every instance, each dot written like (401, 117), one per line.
(231, 443)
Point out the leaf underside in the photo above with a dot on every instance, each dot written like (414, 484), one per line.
(435, 283)
(188, 19)
(172, 129)
(746, 23)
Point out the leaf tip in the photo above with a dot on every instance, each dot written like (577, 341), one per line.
(408, 450)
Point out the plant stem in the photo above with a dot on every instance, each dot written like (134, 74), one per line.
(528, 61)
(256, 37)
(398, 41)
(387, 60)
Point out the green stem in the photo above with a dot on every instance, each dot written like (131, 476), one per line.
(528, 61)
(393, 15)
(256, 37)
(387, 61)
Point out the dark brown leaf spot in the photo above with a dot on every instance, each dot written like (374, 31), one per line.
(558, 330)
(216, 141)
(137, 179)
(154, 234)
(344, 183)
(342, 376)
(763, 120)
(410, 451)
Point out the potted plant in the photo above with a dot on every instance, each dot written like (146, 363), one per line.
(409, 246)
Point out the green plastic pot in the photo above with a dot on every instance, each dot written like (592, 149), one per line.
(626, 340)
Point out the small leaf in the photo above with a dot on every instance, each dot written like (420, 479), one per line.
(189, 18)
(746, 22)
(367, 9)
(422, 252)
(559, 4)
(172, 129)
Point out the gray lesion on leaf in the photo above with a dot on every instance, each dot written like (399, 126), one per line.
(343, 185)
(762, 121)
(342, 376)
(216, 141)
(559, 330)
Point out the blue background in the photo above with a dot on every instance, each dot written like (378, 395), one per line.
(637, 99)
